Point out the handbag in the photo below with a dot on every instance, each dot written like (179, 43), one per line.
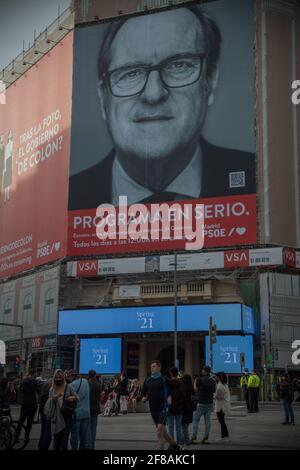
(68, 407)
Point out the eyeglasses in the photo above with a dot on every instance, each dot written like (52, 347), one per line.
(175, 72)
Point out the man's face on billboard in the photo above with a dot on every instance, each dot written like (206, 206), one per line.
(158, 122)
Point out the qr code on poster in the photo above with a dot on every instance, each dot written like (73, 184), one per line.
(237, 179)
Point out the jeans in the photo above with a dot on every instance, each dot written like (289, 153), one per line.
(178, 421)
(45, 437)
(60, 440)
(202, 410)
(185, 438)
(81, 432)
(93, 430)
(288, 411)
(253, 396)
(221, 418)
(27, 411)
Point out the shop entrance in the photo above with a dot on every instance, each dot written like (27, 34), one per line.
(166, 357)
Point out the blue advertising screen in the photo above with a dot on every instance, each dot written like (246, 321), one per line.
(226, 353)
(102, 354)
(247, 320)
(227, 317)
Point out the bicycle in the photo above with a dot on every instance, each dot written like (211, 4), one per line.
(8, 432)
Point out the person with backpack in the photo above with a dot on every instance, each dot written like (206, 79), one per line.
(80, 432)
(205, 389)
(59, 409)
(222, 404)
(95, 396)
(178, 396)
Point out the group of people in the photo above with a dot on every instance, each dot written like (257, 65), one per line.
(69, 405)
(175, 401)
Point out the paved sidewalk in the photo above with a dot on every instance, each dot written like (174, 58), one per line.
(261, 430)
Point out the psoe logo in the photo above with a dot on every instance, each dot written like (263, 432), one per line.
(296, 353)
(2, 93)
(296, 95)
(2, 352)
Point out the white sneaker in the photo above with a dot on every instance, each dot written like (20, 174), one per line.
(220, 439)
(226, 439)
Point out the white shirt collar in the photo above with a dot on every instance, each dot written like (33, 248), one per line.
(187, 183)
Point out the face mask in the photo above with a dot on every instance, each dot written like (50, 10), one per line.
(58, 382)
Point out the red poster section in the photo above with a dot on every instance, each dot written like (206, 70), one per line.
(229, 221)
(34, 163)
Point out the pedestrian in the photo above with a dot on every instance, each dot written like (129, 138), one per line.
(222, 403)
(253, 388)
(80, 432)
(205, 389)
(60, 409)
(29, 390)
(187, 409)
(156, 389)
(124, 393)
(95, 397)
(135, 394)
(244, 387)
(287, 396)
(178, 396)
(45, 436)
(5, 393)
(116, 388)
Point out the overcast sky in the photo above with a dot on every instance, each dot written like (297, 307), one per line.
(19, 19)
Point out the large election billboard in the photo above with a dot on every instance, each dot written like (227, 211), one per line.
(164, 112)
(34, 162)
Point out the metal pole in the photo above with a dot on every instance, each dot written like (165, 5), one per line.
(210, 344)
(176, 362)
(75, 352)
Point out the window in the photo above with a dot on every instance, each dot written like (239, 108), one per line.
(49, 301)
(7, 307)
(27, 304)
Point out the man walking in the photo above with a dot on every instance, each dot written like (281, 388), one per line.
(81, 427)
(29, 389)
(205, 389)
(157, 389)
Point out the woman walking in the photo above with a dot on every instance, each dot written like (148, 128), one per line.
(222, 403)
(287, 396)
(60, 408)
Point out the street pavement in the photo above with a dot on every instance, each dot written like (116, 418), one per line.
(260, 431)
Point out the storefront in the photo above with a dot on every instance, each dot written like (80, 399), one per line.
(147, 333)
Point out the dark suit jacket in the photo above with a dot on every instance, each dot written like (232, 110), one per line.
(92, 187)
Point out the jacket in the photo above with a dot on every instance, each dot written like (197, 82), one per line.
(206, 387)
(286, 391)
(222, 398)
(178, 396)
(187, 406)
(95, 394)
(52, 410)
(82, 389)
(253, 381)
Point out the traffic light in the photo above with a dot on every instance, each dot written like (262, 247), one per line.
(276, 354)
(263, 336)
(77, 343)
(213, 334)
(17, 362)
